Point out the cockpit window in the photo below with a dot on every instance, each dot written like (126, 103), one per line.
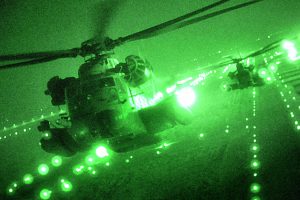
(105, 82)
(96, 84)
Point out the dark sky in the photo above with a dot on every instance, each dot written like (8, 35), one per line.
(38, 25)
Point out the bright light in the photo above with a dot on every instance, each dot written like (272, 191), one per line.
(101, 152)
(56, 161)
(147, 72)
(43, 169)
(255, 164)
(254, 147)
(291, 49)
(66, 186)
(45, 194)
(78, 169)
(184, 80)
(255, 187)
(255, 198)
(10, 190)
(186, 97)
(27, 179)
(47, 135)
(273, 68)
(171, 89)
(262, 72)
(89, 159)
(287, 45)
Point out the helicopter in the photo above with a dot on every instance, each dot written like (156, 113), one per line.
(100, 100)
(245, 73)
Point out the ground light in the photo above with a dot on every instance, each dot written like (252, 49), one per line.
(66, 186)
(273, 68)
(28, 179)
(89, 160)
(78, 169)
(255, 164)
(186, 96)
(255, 188)
(45, 194)
(56, 161)
(10, 191)
(256, 198)
(254, 147)
(262, 72)
(43, 169)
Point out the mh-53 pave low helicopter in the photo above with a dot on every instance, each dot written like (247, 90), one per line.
(246, 73)
(99, 102)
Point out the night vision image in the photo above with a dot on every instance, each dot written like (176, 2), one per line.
(150, 100)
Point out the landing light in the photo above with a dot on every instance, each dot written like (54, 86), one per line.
(101, 152)
(186, 97)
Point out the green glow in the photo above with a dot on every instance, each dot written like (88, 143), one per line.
(147, 72)
(269, 78)
(139, 102)
(255, 188)
(273, 68)
(255, 164)
(89, 159)
(186, 97)
(78, 169)
(14, 184)
(171, 89)
(101, 152)
(45, 194)
(262, 72)
(291, 49)
(46, 135)
(43, 169)
(107, 164)
(28, 179)
(66, 186)
(56, 161)
(93, 172)
(254, 147)
(10, 191)
(201, 135)
(184, 80)
(256, 198)
(288, 45)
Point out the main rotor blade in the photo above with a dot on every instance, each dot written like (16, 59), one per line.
(177, 24)
(60, 54)
(265, 49)
(202, 18)
(30, 62)
(103, 13)
(143, 33)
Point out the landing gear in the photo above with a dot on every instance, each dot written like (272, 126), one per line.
(56, 140)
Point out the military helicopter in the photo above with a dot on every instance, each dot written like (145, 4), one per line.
(99, 101)
(246, 74)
